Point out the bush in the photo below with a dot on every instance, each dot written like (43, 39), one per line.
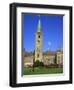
(41, 64)
(37, 63)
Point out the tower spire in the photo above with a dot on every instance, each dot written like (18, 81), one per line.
(39, 25)
(38, 49)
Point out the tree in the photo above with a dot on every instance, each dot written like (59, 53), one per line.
(37, 63)
(55, 59)
(33, 60)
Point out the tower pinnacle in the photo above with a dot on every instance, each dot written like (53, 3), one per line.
(39, 25)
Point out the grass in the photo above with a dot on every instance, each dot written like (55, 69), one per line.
(42, 70)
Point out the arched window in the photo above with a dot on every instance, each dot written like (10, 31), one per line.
(38, 55)
(38, 36)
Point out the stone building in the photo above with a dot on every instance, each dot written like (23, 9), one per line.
(28, 59)
(59, 57)
(38, 45)
(48, 58)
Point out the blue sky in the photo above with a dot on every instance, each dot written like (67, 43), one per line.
(52, 31)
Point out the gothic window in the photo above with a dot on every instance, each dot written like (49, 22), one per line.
(39, 36)
(38, 55)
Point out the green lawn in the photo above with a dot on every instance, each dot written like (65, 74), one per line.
(42, 70)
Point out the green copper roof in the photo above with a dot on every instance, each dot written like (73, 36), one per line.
(39, 26)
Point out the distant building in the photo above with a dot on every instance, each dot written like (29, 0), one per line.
(48, 58)
(28, 59)
(59, 57)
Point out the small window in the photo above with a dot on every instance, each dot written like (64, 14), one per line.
(38, 55)
(39, 36)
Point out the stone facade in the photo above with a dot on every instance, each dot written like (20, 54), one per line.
(38, 47)
(48, 58)
(28, 59)
(59, 57)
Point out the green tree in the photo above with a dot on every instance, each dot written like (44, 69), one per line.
(55, 59)
(37, 63)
